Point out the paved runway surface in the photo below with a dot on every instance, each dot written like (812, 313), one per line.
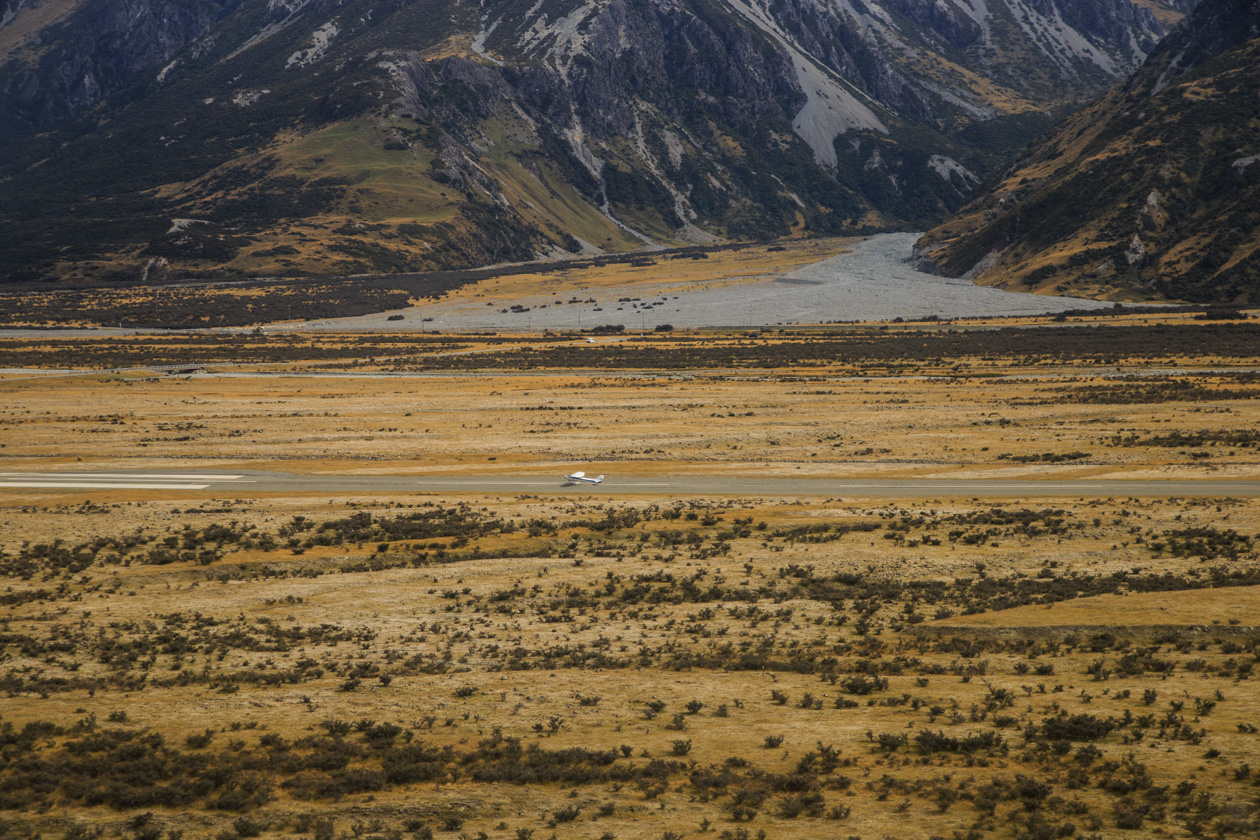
(233, 484)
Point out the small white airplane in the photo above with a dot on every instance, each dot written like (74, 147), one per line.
(580, 477)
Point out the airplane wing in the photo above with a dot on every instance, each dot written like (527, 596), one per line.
(578, 474)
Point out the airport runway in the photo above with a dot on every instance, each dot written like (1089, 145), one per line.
(244, 482)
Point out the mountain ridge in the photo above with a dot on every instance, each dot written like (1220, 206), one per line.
(1161, 175)
(283, 137)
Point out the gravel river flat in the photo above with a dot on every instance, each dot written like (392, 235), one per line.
(873, 282)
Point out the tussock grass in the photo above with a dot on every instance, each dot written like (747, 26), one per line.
(512, 666)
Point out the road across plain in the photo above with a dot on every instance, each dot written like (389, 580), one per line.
(234, 484)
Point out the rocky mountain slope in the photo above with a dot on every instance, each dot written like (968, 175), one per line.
(1153, 191)
(144, 139)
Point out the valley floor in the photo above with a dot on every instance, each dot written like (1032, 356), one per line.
(342, 661)
(875, 281)
(797, 282)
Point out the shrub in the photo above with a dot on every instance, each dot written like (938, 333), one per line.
(247, 827)
(1080, 727)
(568, 813)
(862, 685)
(197, 742)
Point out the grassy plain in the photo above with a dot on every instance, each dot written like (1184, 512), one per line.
(599, 665)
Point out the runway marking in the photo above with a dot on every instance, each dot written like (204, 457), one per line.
(101, 485)
(118, 481)
(88, 476)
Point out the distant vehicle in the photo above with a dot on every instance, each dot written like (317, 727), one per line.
(580, 477)
(590, 341)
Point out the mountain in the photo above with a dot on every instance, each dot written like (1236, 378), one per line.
(151, 139)
(1154, 191)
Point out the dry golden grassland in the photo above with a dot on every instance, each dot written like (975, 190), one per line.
(607, 666)
(20, 35)
(853, 427)
(719, 268)
(776, 404)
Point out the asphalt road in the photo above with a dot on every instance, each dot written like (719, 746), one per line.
(234, 484)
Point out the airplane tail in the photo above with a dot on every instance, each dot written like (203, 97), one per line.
(601, 477)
